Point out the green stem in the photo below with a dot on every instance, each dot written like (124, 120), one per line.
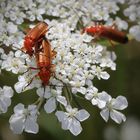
(41, 102)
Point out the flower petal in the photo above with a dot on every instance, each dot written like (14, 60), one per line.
(82, 115)
(8, 91)
(105, 75)
(31, 126)
(3, 107)
(120, 103)
(47, 93)
(50, 105)
(75, 127)
(17, 124)
(104, 96)
(101, 103)
(40, 92)
(62, 100)
(7, 101)
(19, 86)
(94, 101)
(60, 115)
(19, 108)
(89, 96)
(66, 123)
(117, 116)
(105, 114)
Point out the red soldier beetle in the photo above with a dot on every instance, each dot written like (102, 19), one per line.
(109, 32)
(44, 56)
(44, 62)
(35, 35)
(102, 31)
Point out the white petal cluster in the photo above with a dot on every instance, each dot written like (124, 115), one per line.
(12, 63)
(72, 11)
(135, 31)
(77, 62)
(9, 33)
(133, 13)
(80, 60)
(71, 119)
(27, 81)
(14, 13)
(107, 104)
(24, 119)
(5, 98)
(53, 97)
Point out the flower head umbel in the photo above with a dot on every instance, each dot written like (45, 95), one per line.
(24, 119)
(71, 119)
(66, 70)
(77, 63)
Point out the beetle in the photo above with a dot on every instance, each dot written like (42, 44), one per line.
(109, 32)
(44, 58)
(34, 36)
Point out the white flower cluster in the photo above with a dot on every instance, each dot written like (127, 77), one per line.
(78, 62)
(13, 13)
(133, 13)
(71, 11)
(12, 63)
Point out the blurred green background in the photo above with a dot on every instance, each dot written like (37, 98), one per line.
(124, 81)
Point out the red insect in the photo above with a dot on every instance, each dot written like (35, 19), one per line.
(108, 32)
(34, 36)
(44, 61)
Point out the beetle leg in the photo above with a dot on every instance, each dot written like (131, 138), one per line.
(114, 26)
(53, 53)
(53, 68)
(112, 44)
(30, 82)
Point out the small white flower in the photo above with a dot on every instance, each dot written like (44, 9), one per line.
(135, 31)
(112, 105)
(95, 97)
(100, 73)
(121, 24)
(54, 96)
(11, 28)
(26, 81)
(87, 38)
(5, 98)
(24, 119)
(131, 12)
(14, 64)
(108, 60)
(71, 119)
(35, 13)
